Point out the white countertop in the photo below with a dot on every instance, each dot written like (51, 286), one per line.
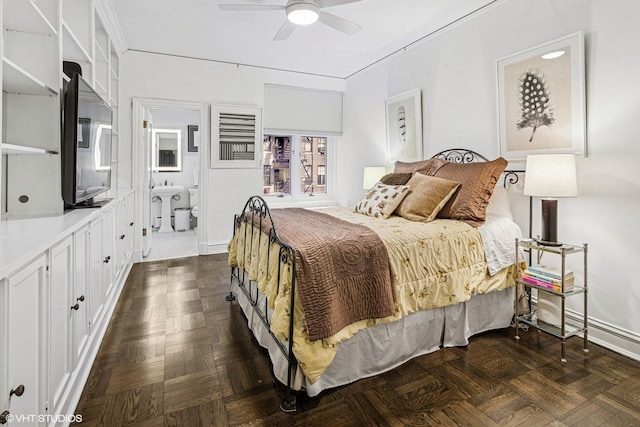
(21, 240)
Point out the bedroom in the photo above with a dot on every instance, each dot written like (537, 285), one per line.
(465, 69)
(603, 214)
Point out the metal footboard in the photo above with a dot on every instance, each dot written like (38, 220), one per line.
(257, 218)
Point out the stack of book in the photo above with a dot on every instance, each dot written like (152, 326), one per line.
(548, 277)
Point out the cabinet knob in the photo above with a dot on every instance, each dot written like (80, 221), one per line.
(131, 224)
(18, 391)
(76, 306)
(107, 258)
(80, 298)
(122, 237)
(3, 417)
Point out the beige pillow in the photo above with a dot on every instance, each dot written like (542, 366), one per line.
(381, 200)
(427, 196)
(477, 181)
(427, 167)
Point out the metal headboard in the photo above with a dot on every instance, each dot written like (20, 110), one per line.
(510, 176)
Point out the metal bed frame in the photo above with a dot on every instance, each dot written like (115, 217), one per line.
(257, 214)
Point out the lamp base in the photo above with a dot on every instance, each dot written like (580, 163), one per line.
(547, 243)
(549, 223)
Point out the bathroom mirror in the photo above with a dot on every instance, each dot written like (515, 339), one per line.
(167, 150)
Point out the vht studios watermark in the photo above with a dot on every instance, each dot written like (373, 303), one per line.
(43, 418)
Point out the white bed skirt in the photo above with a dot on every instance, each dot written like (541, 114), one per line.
(381, 348)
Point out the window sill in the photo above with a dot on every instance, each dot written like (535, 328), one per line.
(317, 201)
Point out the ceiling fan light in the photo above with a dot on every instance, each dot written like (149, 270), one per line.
(302, 13)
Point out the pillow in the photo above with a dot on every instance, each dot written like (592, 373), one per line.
(427, 167)
(396, 178)
(427, 195)
(499, 203)
(381, 200)
(477, 181)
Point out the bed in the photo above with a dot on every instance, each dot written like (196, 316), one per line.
(375, 285)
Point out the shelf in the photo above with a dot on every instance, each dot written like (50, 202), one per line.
(26, 16)
(18, 81)
(22, 149)
(102, 91)
(565, 248)
(72, 47)
(570, 330)
(102, 54)
(574, 291)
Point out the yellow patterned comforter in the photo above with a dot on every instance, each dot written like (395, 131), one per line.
(434, 265)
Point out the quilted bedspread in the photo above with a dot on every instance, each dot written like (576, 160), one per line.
(434, 264)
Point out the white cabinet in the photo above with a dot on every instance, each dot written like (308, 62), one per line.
(96, 300)
(124, 226)
(108, 245)
(80, 294)
(25, 389)
(62, 307)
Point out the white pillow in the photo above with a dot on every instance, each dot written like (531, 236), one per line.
(381, 200)
(499, 203)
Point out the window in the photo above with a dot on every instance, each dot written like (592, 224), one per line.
(267, 174)
(322, 175)
(292, 158)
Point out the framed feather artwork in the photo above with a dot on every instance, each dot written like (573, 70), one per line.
(541, 99)
(404, 127)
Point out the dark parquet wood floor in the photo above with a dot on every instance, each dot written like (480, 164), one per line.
(177, 354)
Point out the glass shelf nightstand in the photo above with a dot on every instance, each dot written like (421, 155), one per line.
(558, 283)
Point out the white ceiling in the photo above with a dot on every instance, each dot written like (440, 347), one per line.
(199, 29)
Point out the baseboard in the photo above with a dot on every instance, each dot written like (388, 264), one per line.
(217, 247)
(610, 336)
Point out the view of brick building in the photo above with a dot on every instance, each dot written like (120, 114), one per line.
(277, 157)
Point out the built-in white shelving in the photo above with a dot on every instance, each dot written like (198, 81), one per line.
(38, 36)
(28, 16)
(19, 81)
(21, 149)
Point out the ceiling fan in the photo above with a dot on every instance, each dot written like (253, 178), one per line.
(302, 12)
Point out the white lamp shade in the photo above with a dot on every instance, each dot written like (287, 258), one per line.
(551, 175)
(372, 174)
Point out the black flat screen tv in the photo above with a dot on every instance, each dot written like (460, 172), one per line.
(87, 121)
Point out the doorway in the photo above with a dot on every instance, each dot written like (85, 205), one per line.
(170, 129)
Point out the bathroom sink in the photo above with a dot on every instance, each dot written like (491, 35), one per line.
(167, 190)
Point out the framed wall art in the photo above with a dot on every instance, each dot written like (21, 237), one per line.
(404, 127)
(541, 99)
(193, 138)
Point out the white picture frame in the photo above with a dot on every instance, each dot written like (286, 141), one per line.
(404, 127)
(555, 87)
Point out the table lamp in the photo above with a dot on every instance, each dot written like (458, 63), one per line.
(550, 176)
(372, 174)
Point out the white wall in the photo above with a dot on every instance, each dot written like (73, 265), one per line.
(166, 77)
(455, 71)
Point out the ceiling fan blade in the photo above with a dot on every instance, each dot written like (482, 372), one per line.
(338, 23)
(245, 7)
(330, 3)
(284, 31)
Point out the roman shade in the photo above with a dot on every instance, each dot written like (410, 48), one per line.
(302, 111)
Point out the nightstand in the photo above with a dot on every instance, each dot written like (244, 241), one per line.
(552, 284)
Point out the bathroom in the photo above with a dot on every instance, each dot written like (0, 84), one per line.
(175, 139)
